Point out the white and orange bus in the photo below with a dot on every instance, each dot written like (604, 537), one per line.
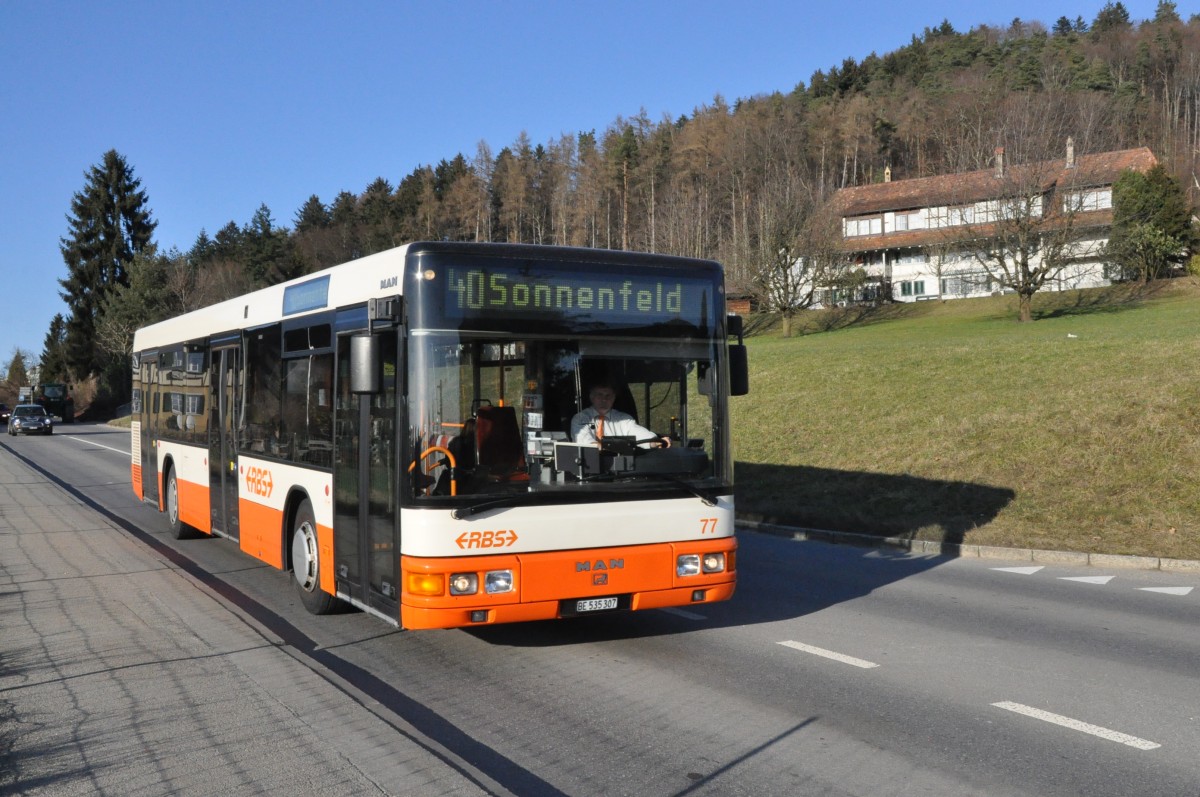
(394, 431)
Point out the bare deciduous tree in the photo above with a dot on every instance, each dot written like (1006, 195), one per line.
(796, 251)
(1023, 224)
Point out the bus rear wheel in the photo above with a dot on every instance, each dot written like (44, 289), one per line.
(306, 563)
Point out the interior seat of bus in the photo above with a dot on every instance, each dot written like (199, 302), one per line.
(498, 447)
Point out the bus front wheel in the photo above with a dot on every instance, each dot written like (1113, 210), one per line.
(179, 529)
(306, 563)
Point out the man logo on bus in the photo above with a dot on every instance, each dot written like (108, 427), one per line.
(599, 564)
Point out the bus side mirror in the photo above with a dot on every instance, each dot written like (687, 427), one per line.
(364, 364)
(739, 370)
(739, 362)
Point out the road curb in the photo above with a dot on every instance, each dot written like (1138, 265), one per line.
(1107, 560)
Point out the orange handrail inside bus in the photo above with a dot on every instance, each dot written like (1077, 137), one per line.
(449, 456)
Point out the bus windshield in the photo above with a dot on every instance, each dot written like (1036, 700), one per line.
(492, 416)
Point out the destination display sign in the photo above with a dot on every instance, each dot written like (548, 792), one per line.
(629, 299)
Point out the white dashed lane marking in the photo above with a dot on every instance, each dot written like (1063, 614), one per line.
(90, 443)
(1077, 725)
(829, 654)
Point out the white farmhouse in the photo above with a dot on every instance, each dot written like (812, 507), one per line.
(914, 239)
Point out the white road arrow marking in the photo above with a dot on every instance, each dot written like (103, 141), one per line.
(1168, 590)
(1022, 571)
(1088, 579)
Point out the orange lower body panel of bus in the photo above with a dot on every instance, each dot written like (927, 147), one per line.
(261, 528)
(193, 505)
(555, 584)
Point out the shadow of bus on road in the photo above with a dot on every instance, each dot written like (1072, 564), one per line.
(781, 580)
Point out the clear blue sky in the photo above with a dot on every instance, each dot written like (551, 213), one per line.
(222, 106)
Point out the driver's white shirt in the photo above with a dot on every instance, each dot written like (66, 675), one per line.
(583, 426)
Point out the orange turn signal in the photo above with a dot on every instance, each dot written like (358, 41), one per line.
(428, 584)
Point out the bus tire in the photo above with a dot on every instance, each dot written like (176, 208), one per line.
(179, 529)
(306, 562)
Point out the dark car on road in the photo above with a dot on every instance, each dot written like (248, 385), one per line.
(30, 419)
(4, 412)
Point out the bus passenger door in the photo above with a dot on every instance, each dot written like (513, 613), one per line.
(225, 373)
(149, 437)
(365, 541)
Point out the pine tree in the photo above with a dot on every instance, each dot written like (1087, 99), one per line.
(17, 374)
(1113, 17)
(266, 251)
(313, 216)
(1152, 224)
(109, 224)
(54, 356)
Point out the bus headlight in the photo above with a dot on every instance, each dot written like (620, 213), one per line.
(497, 581)
(687, 564)
(714, 562)
(464, 584)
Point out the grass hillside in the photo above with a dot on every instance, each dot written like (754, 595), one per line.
(950, 421)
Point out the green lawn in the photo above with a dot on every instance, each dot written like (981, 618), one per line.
(953, 422)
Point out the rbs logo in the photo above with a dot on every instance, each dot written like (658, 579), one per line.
(501, 538)
(259, 481)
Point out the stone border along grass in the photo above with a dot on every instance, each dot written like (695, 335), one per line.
(1190, 566)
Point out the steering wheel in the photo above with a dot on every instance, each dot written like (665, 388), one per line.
(449, 460)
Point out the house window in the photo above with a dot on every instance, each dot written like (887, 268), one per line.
(966, 284)
(1093, 199)
(912, 257)
(912, 288)
(864, 226)
(951, 217)
(906, 221)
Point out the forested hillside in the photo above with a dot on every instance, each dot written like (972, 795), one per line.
(743, 181)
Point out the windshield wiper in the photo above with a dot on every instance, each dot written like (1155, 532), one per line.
(708, 498)
(464, 512)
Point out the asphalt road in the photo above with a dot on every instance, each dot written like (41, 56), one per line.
(132, 663)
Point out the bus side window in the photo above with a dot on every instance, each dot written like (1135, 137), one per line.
(263, 381)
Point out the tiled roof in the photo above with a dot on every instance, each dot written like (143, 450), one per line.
(957, 189)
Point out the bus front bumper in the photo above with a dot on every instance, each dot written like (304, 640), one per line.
(558, 584)
(421, 618)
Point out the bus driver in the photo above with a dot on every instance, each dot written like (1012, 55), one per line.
(600, 419)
